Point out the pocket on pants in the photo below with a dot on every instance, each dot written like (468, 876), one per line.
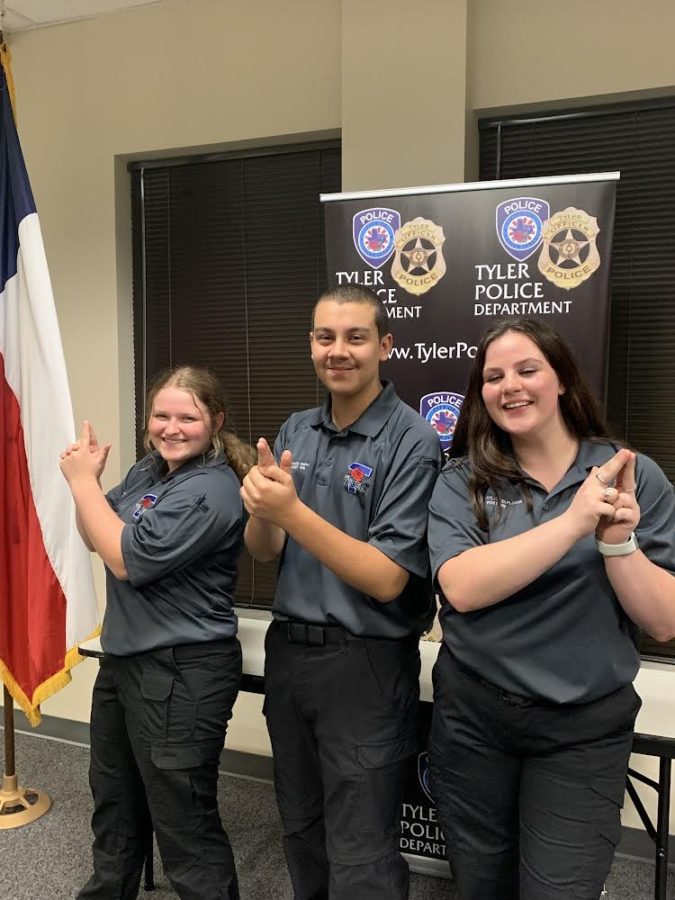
(379, 755)
(156, 690)
(184, 756)
(380, 790)
(394, 673)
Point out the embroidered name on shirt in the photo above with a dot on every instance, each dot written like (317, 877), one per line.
(491, 500)
(355, 478)
(297, 466)
(146, 502)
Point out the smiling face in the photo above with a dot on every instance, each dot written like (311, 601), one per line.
(347, 350)
(521, 388)
(180, 426)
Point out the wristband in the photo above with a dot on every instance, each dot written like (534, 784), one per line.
(629, 546)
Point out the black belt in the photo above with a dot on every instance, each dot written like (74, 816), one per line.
(310, 635)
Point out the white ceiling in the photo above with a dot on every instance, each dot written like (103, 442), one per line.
(23, 14)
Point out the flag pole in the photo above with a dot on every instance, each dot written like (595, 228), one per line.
(18, 805)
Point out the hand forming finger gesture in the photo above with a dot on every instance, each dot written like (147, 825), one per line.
(593, 506)
(268, 491)
(84, 457)
(626, 518)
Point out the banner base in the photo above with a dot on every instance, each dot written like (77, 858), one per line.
(20, 806)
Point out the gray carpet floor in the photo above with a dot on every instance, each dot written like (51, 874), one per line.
(50, 859)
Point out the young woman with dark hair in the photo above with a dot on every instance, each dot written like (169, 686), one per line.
(552, 545)
(170, 536)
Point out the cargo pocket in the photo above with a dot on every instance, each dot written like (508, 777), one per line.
(383, 767)
(156, 689)
(171, 757)
(377, 756)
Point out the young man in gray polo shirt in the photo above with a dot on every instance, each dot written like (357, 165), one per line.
(346, 507)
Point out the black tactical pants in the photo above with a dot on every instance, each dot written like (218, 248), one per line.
(157, 730)
(528, 794)
(341, 713)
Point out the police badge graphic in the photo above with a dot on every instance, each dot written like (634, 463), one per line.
(441, 410)
(519, 225)
(374, 231)
(418, 264)
(569, 255)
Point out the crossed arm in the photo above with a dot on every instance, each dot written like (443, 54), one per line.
(269, 496)
(485, 575)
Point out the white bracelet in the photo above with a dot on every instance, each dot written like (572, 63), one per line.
(629, 546)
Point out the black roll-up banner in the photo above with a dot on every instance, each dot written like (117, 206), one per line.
(450, 261)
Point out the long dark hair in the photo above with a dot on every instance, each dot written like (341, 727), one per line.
(205, 387)
(487, 446)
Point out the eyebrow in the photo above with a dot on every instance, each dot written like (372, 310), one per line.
(521, 362)
(358, 329)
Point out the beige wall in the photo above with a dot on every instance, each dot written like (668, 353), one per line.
(548, 52)
(403, 93)
(401, 81)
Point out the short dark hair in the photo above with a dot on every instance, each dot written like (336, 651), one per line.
(356, 293)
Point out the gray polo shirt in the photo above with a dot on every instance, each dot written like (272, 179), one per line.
(373, 481)
(564, 637)
(180, 546)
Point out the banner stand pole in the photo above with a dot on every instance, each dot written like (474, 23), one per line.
(18, 805)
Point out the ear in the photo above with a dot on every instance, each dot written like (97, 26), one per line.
(386, 343)
(561, 390)
(218, 422)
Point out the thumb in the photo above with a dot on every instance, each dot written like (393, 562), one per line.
(104, 451)
(286, 462)
(265, 455)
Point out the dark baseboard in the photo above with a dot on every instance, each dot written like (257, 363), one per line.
(246, 765)
(53, 727)
(634, 841)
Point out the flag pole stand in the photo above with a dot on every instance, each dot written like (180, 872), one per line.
(18, 805)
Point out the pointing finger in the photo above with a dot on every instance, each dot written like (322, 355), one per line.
(265, 455)
(85, 434)
(608, 472)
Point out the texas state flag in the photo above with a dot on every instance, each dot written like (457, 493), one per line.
(47, 599)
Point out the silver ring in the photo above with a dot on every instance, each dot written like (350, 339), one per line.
(629, 491)
(607, 492)
(601, 480)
